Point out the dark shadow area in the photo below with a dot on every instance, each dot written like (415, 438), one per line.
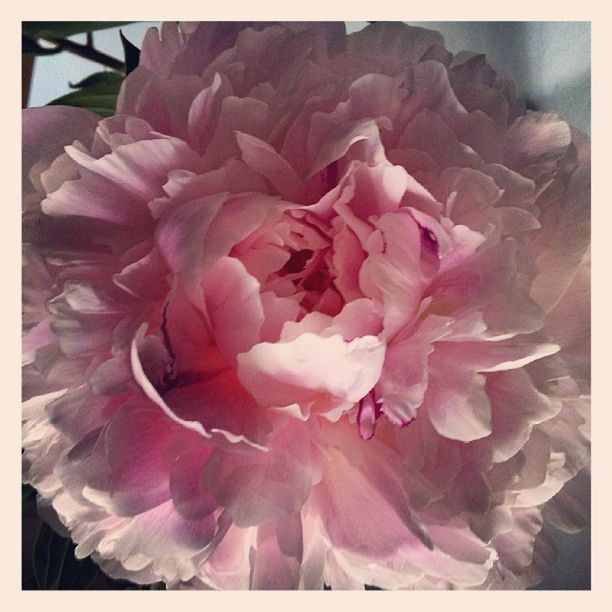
(572, 569)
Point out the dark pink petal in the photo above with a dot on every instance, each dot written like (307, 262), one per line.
(135, 477)
(190, 497)
(191, 423)
(258, 488)
(218, 402)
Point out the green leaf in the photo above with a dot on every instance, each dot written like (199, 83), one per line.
(97, 93)
(109, 81)
(62, 29)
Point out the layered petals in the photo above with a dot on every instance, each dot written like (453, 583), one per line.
(311, 310)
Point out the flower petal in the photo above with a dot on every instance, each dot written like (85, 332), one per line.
(310, 368)
(258, 488)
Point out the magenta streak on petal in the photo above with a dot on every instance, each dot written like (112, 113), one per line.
(429, 238)
(367, 415)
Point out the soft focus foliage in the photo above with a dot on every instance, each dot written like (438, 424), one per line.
(310, 309)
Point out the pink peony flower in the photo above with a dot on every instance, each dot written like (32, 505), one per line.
(310, 309)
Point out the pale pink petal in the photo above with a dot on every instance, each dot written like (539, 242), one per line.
(391, 273)
(180, 235)
(497, 356)
(235, 115)
(98, 198)
(260, 156)
(348, 257)
(536, 138)
(456, 402)
(391, 541)
(161, 46)
(48, 129)
(200, 117)
(140, 168)
(430, 89)
(312, 323)
(159, 540)
(278, 312)
(375, 95)
(278, 557)
(516, 406)
(569, 324)
(310, 368)
(330, 142)
(229, 566)
(358, 318)
(404, 377)
(562, 243)
(516, 547)
(134, 478)
(234, 306)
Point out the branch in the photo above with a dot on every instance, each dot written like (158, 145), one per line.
(27, 66)
(88, 52)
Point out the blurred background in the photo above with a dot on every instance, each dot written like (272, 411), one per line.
(550, 63)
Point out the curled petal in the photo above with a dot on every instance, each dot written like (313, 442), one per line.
(311, 369)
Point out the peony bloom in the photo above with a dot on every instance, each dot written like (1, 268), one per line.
(310, 309)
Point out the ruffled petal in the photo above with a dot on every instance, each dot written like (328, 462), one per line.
(234, 306)
(261, 487)
(456, 402)
(278, 557)
(48, 129)
(311, 369)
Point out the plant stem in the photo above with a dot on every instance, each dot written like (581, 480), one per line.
(27, 66)
(88, 52)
